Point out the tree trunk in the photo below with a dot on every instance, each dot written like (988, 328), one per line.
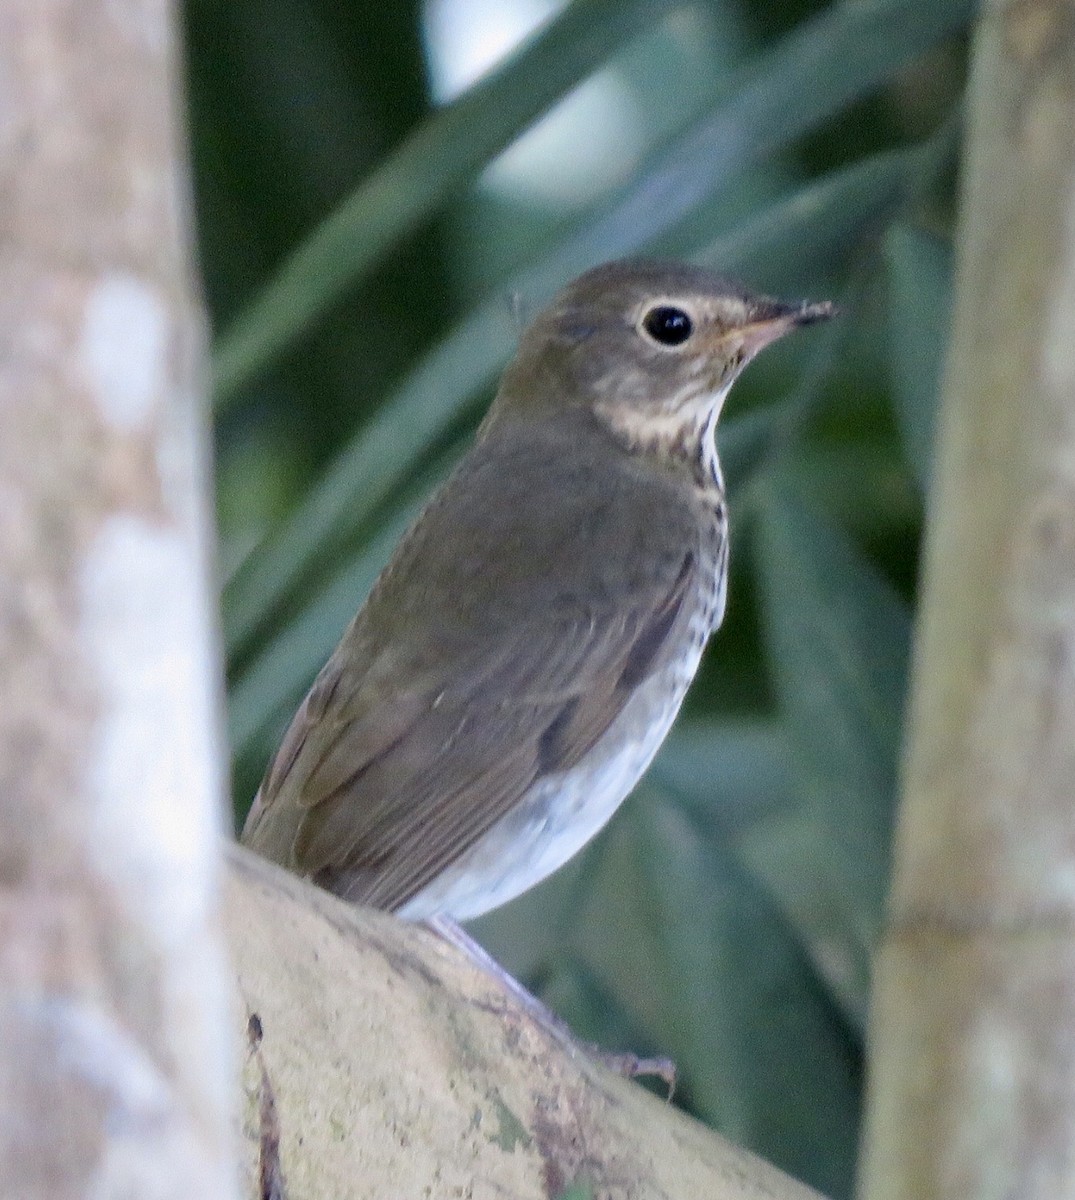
(972, 1089)
(115, 1076)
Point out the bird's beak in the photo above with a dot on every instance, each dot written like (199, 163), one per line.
(773, 318)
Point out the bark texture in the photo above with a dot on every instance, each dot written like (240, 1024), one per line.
(382, 1063)
(115, 1076)
(972, 1088)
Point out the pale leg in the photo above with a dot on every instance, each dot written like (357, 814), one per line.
(629, 1065)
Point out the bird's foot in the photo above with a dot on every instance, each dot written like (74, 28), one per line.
(631, 1066)
(634, 1066)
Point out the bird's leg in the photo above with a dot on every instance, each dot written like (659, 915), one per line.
(631, 1066)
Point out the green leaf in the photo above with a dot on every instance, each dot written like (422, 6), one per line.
(838, 638)
(862, 484)
(274, 682)
(436, 160)
(364, 474)
(726, 774)
(674, 925)
(920, 304)
(818, 70)
(825, 220)
(736, 781)
(815, 72)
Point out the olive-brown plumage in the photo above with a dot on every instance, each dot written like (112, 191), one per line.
(524, 652)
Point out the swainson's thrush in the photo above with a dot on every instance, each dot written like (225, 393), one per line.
(523, 654)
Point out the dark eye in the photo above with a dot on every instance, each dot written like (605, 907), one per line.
(668, 325)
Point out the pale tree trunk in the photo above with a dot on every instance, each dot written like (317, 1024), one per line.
(972, 1090)
(115, 1071)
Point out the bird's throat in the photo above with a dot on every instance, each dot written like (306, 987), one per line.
(682, 437)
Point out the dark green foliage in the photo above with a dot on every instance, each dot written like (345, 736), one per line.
(359, 281)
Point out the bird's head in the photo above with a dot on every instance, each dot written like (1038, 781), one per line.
(651, 347)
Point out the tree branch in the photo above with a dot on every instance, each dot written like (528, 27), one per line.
(382, 1062)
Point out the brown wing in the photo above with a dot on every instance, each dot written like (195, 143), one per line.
(496, 648)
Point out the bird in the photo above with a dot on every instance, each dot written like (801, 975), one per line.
(523, 654)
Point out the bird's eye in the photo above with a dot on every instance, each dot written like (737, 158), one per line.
(668, 325)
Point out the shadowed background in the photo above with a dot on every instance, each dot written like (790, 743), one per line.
(367, 252)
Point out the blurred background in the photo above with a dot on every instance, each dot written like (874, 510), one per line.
(383, 192)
